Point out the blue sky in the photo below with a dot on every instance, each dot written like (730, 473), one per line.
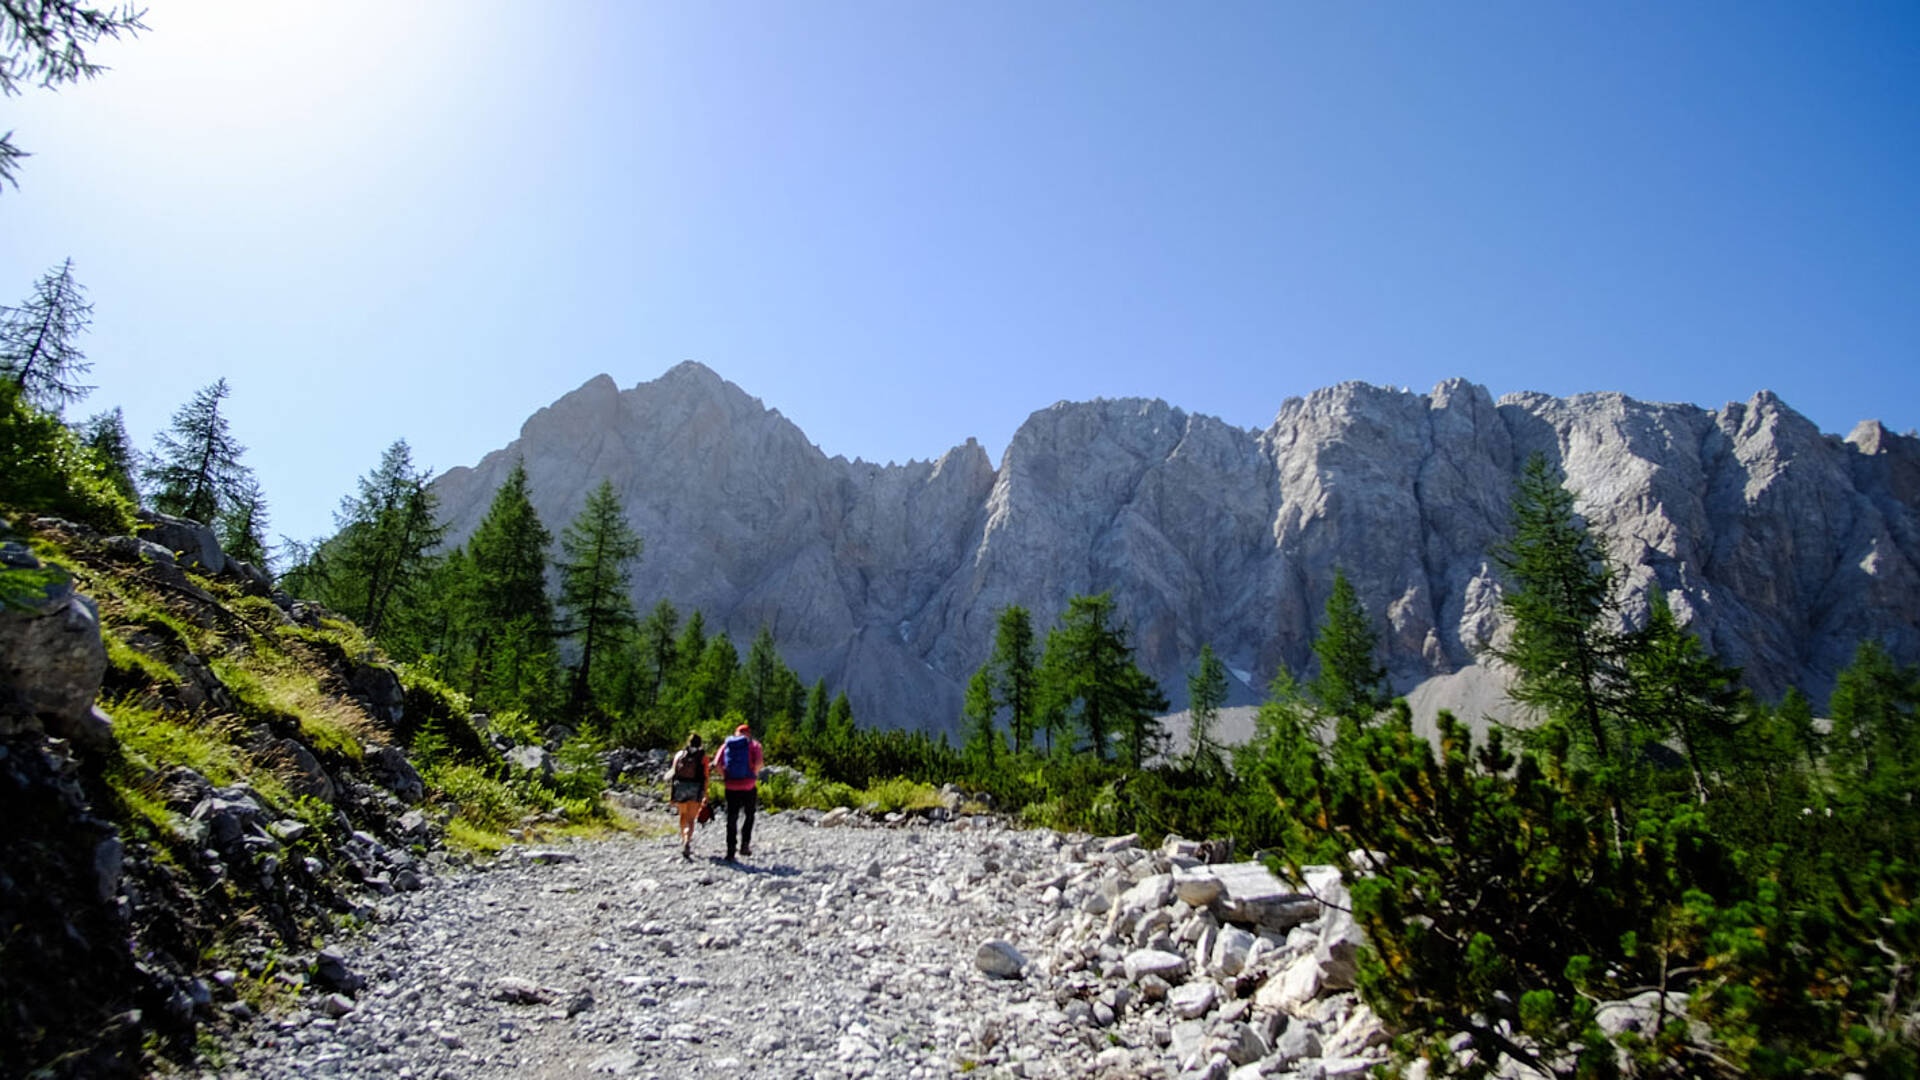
(904, 224)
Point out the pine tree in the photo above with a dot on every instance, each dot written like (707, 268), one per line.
(1206, 692)
(388, 530)
(243, 525)
(38, 350)
(196, 466)
(1350, 686)
(508, 555)
(105, 434)
(595, 576)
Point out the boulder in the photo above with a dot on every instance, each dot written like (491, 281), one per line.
(192, 543)
(533, 759)
(51, 655)
(307, 777)
(378, 688)
(390, 768)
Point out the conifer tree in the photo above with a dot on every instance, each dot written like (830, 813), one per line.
(595, 575)
(759, 688)
(1206, 692)
(388, 530)
(658, 648)
(1092, 677)
(1876, 723)
(105, 434)
(44, 43)
(840, 729)
(710, 684)
(1674, 689)
(1564, 656)
(688, 650)
(815, 725)
(976, 711)
(38, 341)
(1350, 685)
(243, 525)
(196, 466)
(507, 605)
(1013, 682)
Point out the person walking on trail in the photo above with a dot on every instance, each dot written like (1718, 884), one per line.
(689, 776)
(739, 760)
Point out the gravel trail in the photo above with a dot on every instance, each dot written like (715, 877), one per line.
(831, 952)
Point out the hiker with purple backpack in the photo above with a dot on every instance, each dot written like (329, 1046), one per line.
(739, 760)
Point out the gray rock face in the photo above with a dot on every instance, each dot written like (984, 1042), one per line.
(1783, 545)
(51, 656)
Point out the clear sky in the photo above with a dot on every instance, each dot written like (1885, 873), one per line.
(907, 223)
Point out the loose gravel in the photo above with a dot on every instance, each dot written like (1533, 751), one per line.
(842, 950)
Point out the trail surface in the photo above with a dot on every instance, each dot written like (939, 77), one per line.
(831, 952)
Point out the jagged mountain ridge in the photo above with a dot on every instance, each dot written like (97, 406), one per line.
(1784, 545)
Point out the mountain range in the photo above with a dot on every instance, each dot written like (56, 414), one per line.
(1782, 545)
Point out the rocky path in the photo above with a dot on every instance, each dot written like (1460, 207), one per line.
(840, 949)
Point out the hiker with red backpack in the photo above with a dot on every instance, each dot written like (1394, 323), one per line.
(689, 776)
(739, 761)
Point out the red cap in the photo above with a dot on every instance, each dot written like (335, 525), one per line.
(742, 730)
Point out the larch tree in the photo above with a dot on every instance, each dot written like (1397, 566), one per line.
(977, 708)
(1206, 692)
(658, 649)
(39, 350)
(598, 551)
(1013, 682)
(508, 611)
(242, 527)
(1563, 651)
(195, 467)
(758, 690)
(44, 43)
(388, 530)
(1091, 675)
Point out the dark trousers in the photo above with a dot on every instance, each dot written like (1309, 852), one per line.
(737, 801)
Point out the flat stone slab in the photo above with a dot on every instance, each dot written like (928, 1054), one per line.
(1252, 895)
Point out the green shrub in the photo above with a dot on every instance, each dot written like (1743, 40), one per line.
(49, 471)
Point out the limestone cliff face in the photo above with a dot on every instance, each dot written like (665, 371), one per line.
(1785, 546)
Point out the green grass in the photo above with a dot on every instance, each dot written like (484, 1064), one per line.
(272, 688)
(135, 664)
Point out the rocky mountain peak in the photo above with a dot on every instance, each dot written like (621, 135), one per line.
(1784, 545)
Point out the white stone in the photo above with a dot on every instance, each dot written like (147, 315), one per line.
(1194, 1000)
(1143, 962)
